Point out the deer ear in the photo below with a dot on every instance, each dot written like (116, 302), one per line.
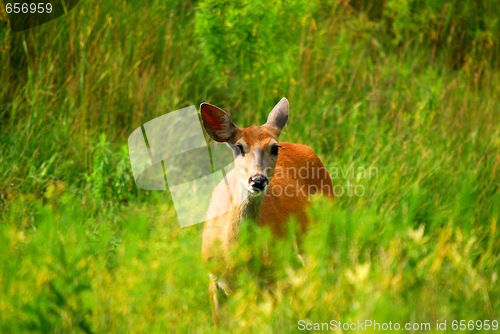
(217, 123)
(278, 117)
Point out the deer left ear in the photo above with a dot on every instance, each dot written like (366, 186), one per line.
(278, 117)
(217, 123)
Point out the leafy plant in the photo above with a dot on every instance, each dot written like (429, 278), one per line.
(255, 43)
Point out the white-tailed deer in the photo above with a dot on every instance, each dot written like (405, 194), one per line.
(255, 193)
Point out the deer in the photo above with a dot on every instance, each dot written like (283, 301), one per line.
(256, 193)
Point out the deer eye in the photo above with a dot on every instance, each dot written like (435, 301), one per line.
(240, 149)
(274, 150)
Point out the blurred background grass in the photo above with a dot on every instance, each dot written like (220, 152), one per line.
(410, 87)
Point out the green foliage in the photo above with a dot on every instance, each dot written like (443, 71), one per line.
(468, 31)
(253, 42)
(110, 177)
(82, 249)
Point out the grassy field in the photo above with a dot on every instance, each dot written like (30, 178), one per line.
(82, 249)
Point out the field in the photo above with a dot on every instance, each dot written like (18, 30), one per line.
(407, 88)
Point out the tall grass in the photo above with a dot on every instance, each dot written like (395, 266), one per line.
(83, 250)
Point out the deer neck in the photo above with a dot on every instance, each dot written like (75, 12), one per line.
(245, 206)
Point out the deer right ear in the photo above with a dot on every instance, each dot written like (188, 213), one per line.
(217, 123)
(278, 117)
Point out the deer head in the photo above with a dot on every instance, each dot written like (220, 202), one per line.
(255, 148)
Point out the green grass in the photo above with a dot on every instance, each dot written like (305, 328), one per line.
(82, 249)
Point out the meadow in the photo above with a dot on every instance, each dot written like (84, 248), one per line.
(408, 87)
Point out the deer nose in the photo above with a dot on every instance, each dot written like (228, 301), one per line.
(258, 182)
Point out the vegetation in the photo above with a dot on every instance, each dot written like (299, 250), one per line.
(409, 87)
